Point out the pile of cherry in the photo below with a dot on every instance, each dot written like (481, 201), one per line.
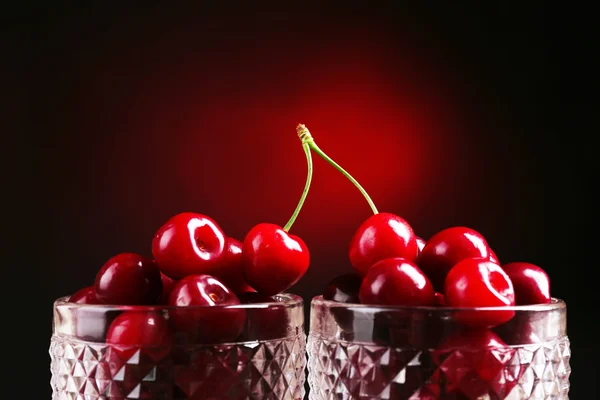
(456, 267)
(196, 267)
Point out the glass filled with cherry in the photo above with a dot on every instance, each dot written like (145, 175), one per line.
(254, 349)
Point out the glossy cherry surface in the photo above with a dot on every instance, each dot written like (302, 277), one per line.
(531, 283)
(188, 244)
(439, 299)
(128, 279)
(201, 317)
(139, 328)
(396, 281)
(446, 248)
(477, 282)
(230, 272)
(472, 362)
(86, 295)
(493, 257)
(382, 236)
(167, 284)
(269, 322)
(421, 243)
(273, 260)
(344, 288)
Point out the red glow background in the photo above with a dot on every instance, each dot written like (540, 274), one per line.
(212, 130)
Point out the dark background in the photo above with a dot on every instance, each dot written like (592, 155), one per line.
(448, 115)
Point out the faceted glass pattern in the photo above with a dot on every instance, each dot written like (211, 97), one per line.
(358, 354)
(342, 370)
(271, 368)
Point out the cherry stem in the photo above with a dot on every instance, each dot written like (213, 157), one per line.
(307, 139)
(309, 163)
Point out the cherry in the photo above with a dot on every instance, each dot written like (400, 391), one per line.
(201, 317)
(420, 244)
(230, 272)
(144, 336)
(446, 248)
(264, 323)
(128, 279)
(273, 260)
(344, 288)
(139, 328)
(396, 281)
(531, 283)
(382, 236)
(494, 257)
(167, 284)
(188, 244)
(473, 362)
(86, 295)
(439, 299)
(475, 282)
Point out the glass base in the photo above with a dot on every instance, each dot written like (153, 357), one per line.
(353, 370)
(271, 369)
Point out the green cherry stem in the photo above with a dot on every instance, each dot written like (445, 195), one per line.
(309, 163)
(307, 139)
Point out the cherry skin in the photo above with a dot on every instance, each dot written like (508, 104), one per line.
(129, 332)
(139, 328)
(446, 248)
(494, 257)
(273, 260)
(382, 236)
(472, 362)
(531, 283)
(86, 295)
(167, 284)
(230, 272)
(344, 288)
(396, 281)
(475, 282)
(201, 317)
(188, 244)
(420, 244)
(439, 299)
(128, 279)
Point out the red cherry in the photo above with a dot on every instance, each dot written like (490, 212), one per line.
(167, 284)
(494, 257)
(446, 248)
(479, 283)
(264, 323)
(439, 299)
(382, 236)
(141, 335)
(230, 272)
(139, 328)
(420, 244)
(128, 279)
(188, 244)
(205, 321)
(531, 283)
(273, 260)
(87, 295)
(396, 281)
(473, 364)
(344, 288)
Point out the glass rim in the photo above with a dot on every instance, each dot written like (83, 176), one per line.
(555, 304)
(289, 300)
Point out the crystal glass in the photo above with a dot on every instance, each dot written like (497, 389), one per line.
(364, 352)
(266, 360)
